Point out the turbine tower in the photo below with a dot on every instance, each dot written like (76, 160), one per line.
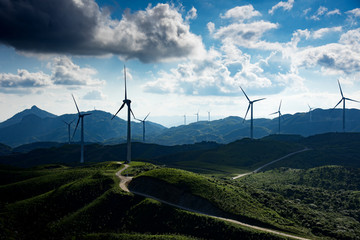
(310, 114)
(80, 117)
(280, 115)
(128, 103)
(250, 106)
(184, 119)
(68, 125)
(143, 124)
(209, 116)
(197, 116)
(343, 100)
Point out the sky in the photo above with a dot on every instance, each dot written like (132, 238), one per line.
(181, 57)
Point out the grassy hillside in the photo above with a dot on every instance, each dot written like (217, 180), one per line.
(324, 199)
(58, 202)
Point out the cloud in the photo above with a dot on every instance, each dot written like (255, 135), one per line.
(241, 13)
(191, 14)
(334, 58)
(333, 12)
(320, 12)
(321, 32)
(353, 15)
(285, 5)
(24, 79)
(63, 72)
(94, 95)
(211, 27)
(212, 76)
(80, 27)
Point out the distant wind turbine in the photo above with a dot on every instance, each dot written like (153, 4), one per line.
(280, 115)
(143, 124)
(80, 117)
(343, 100)
(184, 119)
(128, 103)
(197, 116)
(209, 116)
(250, 106)
(310, 112)
(68, 125)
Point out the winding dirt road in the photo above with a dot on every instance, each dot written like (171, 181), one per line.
(276, 160)
(124, 181)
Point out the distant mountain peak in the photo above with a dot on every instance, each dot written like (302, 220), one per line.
(34, 110)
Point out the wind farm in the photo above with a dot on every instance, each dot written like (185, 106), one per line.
(194, 120)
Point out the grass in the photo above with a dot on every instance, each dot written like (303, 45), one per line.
(228, 198)
(86, 203)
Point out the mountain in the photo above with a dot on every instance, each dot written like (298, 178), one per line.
(19, 116)
(233, 128)
(35, 127)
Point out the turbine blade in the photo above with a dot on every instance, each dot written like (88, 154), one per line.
(340, 89)
(125, 82)
(247, 112)
(245, 94)
(280, 105)
(146, 116)
(87, 114)
(77, 124)
(118, 110)
(338, 103)
(132, 112)
(352, 100)
(273, 113)
(75, 104)
(257, 100)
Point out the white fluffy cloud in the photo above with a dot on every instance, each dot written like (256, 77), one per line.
(342, 57)
(241, 13)
(94, 95)
(63, 72)
(285, 5)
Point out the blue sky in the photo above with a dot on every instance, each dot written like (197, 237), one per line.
(182, 56)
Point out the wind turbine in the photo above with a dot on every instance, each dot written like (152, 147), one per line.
(184, 119)
(80, 117)
(250, 106)
(310, 114)
(343, 100)
(68, 125)
(128, 103)
(280, 115)
(143, 123)
(197, 116)
(209, 116)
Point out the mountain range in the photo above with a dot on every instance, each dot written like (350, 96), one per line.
(36, 125)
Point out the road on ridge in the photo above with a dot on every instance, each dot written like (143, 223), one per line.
(276, 160)
(124, 181)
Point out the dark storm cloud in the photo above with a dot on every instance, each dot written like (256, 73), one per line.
(80, 27)
(46, 26)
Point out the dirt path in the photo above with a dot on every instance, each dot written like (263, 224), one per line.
(276, 160)
(124, 181)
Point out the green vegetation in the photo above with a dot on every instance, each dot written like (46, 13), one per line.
(58, 202)
(324, 199)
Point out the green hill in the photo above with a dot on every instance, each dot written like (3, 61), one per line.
(57, 202)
